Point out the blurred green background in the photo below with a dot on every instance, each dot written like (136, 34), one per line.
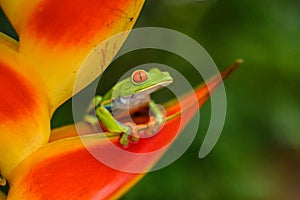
(257, 155)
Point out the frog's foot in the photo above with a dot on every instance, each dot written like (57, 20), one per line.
(124, 140)
(134, 131)
(154, 126)
(131, 135)
(92, 120)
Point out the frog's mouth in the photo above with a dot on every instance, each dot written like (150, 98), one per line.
(142, 97)
(156, 87)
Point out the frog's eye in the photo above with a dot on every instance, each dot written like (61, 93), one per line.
(139, 76)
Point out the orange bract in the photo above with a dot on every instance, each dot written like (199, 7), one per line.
(56, 36)
(51, 23)
(37, 73)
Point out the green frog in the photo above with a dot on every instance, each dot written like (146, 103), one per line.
(129, 96)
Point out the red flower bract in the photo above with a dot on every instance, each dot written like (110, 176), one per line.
(65, 168)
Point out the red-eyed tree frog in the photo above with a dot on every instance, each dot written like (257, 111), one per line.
(125, 98)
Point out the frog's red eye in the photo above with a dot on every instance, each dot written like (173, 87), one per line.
(139, 76)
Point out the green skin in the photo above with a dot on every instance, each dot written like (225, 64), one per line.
(126, 97)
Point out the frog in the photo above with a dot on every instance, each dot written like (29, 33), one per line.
(129, 96)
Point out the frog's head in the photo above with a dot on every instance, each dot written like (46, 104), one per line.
(142, 82)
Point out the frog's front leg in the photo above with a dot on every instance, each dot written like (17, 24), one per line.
(113, 125)
(90, 117)
(159, 116)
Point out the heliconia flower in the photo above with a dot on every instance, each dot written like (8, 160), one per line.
(65, 169)
(37, 73)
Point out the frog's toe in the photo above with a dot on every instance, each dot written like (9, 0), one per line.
(160, 122)
(93, 120)
(124, 141)
(154, 126)
(134, 139)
